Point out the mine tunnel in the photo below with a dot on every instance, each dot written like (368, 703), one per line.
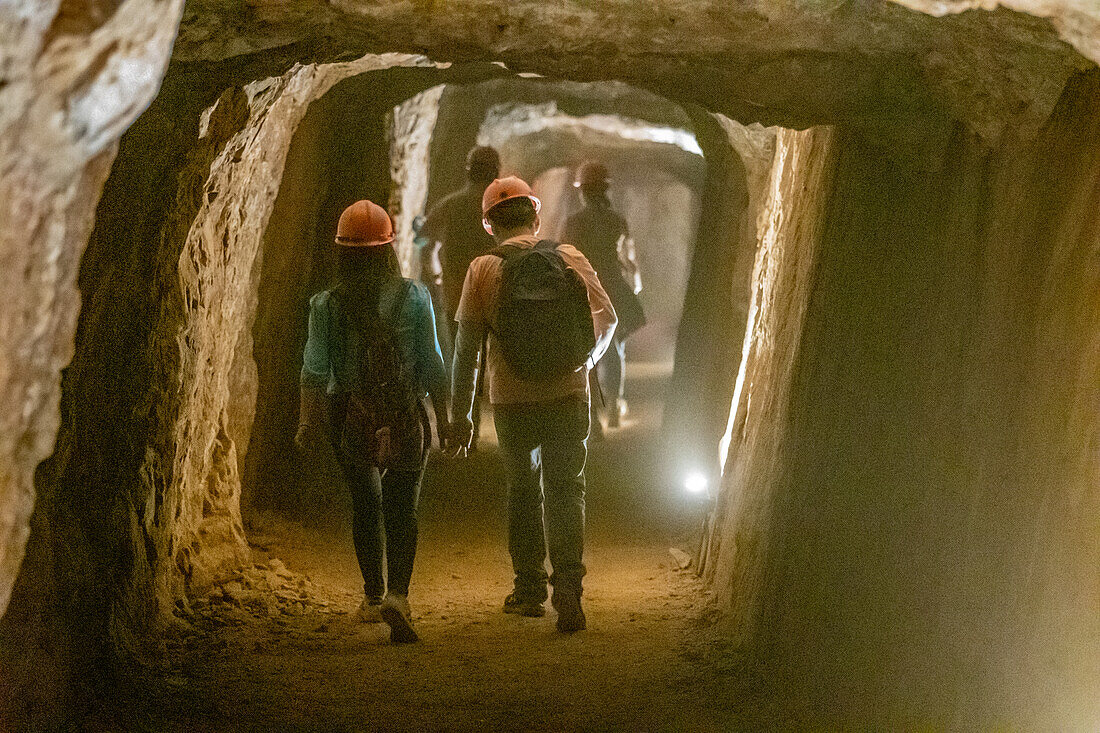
(858, 481)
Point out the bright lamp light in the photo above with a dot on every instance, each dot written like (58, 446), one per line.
(695, 482)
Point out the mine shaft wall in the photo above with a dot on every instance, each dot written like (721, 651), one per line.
(925, 514)
(711, 331)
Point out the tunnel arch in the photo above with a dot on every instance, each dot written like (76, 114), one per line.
(353, 166)
(988, 119)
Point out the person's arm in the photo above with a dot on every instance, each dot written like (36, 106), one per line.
(604, 319)
(628, 260)
(431, 272)
(429, 361)
(313, 410)
(468, 342)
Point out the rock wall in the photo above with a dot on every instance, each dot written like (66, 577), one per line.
(410, 138)
(712, 326)
(911, 526)
(72, 78)
(791, 222)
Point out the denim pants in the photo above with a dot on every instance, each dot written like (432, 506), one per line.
(544, 448)
(384, 526)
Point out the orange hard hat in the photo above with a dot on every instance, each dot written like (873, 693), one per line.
(505, 189)
(591, 175)
(364, 224)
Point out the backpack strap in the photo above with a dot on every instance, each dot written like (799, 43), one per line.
(504, 251)
(547, 244)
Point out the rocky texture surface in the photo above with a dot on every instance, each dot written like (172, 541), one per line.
(798, 63)
(533, 138)
(410, 136)
(71, 80)
(916, 467)
(712, 327)
(1077, 21)
(791, 222)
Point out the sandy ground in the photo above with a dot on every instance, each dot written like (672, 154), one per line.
(646, 661)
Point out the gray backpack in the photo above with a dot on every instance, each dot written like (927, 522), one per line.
(544, 321)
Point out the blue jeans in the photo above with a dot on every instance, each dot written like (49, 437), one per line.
(544, 447)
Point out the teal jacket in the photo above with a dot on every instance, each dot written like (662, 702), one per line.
(325, 366)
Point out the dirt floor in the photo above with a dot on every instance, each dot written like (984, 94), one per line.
(281, 649)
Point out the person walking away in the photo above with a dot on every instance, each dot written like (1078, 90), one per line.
(602, 236)
(452, 237)
(547, 321)
(371, 354)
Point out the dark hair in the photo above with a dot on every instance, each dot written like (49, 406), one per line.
(595, 194)
(360, 274)
(482, 164)
(512, 214)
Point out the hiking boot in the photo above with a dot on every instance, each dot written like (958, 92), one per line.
(369, 611)
(395, 612)
(570, 615)
(531, 609)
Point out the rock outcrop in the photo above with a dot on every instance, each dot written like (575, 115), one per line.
(911, 504)
(72, 79)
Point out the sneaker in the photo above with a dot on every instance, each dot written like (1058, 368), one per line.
(370, 611)
(531, 609)
(395, 612)
(570, 615)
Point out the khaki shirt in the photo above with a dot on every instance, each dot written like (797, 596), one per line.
(477, 311)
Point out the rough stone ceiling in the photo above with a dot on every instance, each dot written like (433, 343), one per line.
(508, 120)
(792, 62)
(1077, 21)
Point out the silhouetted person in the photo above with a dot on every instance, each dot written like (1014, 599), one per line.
(547, 320)
(371, 354)
(452, 232)
(602, 236)
(454, 237)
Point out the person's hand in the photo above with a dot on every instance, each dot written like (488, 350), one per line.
(462, 434)
(308, 439)
(444, 435)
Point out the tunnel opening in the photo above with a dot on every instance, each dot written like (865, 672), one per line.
(544, 130)
(904, 528)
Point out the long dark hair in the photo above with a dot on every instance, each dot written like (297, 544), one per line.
(361, 272)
